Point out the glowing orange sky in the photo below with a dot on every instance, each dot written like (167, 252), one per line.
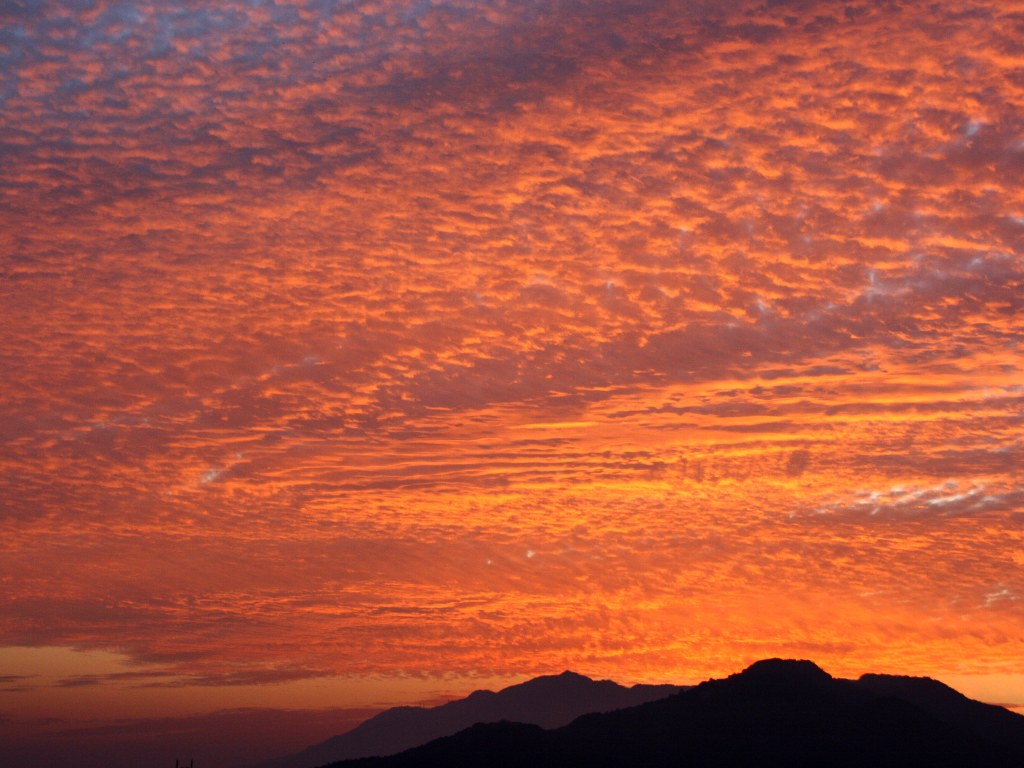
(393, 341)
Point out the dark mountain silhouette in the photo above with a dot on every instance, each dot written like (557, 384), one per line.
(775, 713)
(994, 723)
(551, 702)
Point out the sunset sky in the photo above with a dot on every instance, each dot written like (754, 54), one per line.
(364, 352)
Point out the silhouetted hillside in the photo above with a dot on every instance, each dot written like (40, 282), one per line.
(775, 713)
(994, 723)
(551, 701)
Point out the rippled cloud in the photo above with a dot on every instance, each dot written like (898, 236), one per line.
(493, 338)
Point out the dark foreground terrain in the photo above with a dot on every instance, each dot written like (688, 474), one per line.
(775, 713)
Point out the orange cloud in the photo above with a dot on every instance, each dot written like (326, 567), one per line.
(461, 338)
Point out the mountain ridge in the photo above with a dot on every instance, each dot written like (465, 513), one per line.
(775, 713)
(548, 701)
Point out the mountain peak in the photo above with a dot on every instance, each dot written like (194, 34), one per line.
(568, 675)
(568, 678)
(785, 670)
(923, 682)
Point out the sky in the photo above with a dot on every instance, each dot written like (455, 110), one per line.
(369, 352)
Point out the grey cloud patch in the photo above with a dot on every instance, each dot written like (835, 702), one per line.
(798, 462)
(952, 499)
(17, 683)
(255, 677)
(80, 681)
(141, 679)
(6, 679)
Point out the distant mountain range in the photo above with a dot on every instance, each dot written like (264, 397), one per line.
(547, 702)
(775, 713)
